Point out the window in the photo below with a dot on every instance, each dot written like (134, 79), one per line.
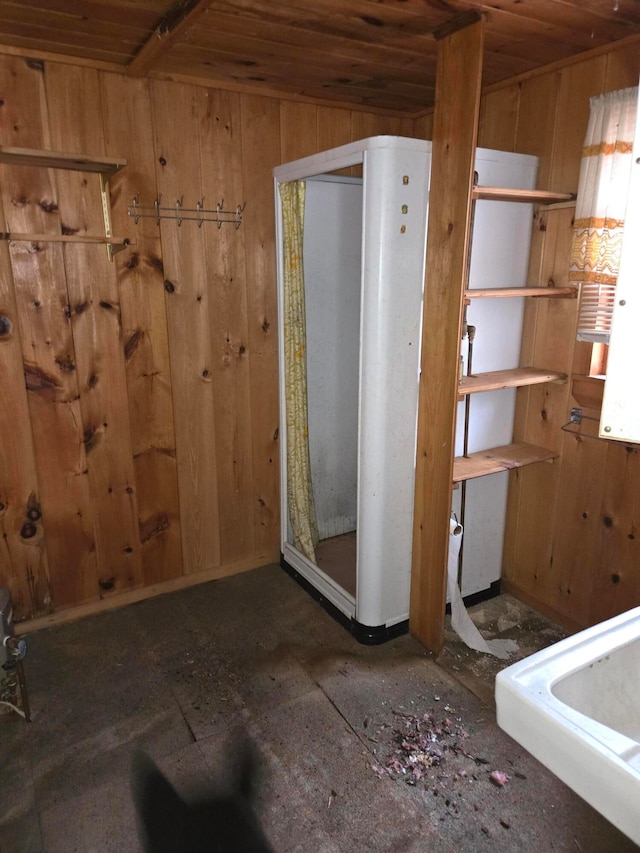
(603, 192)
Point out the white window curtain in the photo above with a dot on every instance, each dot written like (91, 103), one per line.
(603, 188)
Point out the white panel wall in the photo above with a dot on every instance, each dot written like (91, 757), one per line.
(332, 264)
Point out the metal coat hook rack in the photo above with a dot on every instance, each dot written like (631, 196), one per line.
(180, 214)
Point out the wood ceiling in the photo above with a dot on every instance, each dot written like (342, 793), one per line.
(378, 53)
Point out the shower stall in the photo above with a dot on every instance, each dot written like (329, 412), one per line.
(351, 236)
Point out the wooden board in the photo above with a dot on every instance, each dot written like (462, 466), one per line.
(261, 151)
(42, 305)
(497, 459)
(615, 581)
(190, 303)
(536, 122)
(577, 84)
(126, 105)
(513, 378)
(97, 336)
(221, 165)
(334, 127)
(568, 584)
(541, 411)
(508, 292)
(24, 568)
(587, 391)
(106, 166)
(298, 130)
(118, 243)
(454, 137)
(517, 195)
(498, 120)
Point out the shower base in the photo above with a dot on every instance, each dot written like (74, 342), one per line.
(337, 558)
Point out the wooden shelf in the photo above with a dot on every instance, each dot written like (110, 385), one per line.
(116, 244)
(497, 459)
(514, 378)
(502, 292)
(527, 196)
(105, 166)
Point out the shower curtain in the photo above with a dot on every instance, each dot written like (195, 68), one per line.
(302, 511)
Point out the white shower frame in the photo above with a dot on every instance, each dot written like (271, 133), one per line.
(387, 410)
(395, 179)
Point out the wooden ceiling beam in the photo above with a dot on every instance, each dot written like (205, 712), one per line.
(175, 24)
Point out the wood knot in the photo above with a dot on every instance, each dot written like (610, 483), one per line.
(28, 530)
(5, 326)
(65, 363)
(132, 343)
(156, 263)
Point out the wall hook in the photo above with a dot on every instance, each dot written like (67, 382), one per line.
(134, 207)
(199, 208)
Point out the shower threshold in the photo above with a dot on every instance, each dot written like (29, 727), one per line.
(336, 559)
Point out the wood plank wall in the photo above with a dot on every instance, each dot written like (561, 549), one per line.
(572, 546)
(138, 399)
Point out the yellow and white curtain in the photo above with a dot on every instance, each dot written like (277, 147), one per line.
(600, 209)
(302, 511)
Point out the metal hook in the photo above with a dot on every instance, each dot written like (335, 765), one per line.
(135, 213)
(218, 211)
(199, 207)
(178, 206)
(156, 205)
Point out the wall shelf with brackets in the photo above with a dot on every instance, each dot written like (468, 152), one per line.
(104, 167)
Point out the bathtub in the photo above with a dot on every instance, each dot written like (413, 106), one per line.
(575, 706)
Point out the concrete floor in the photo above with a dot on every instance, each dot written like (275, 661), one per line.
(180, 675)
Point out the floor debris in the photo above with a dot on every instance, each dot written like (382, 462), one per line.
(499, 778)
(422, 743)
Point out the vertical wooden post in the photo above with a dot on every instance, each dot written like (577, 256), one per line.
(458, 83)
